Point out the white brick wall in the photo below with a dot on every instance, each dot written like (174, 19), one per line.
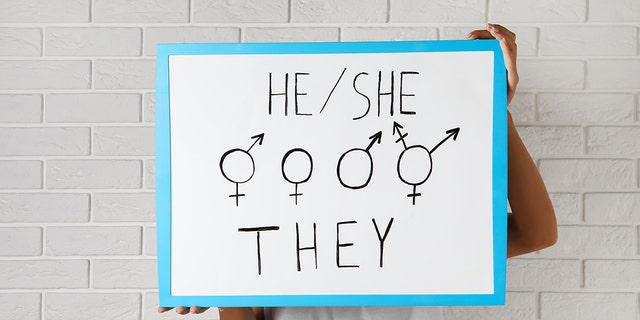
(77, 168)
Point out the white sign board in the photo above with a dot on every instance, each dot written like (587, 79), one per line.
(331, 173)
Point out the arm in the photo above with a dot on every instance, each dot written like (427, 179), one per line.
(532, 225)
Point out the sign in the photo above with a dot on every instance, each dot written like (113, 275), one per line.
(301, 174)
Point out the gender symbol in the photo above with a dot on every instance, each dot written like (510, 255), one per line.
(237, 166)
(415, 163)
(355, 155)
(300, 168)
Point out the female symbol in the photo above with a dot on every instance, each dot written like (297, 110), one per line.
(353, 158)
(301, 160)
(237, 166)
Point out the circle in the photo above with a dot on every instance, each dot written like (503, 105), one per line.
(297, 166)
(414, 165)
(352, 166)
(237, 166)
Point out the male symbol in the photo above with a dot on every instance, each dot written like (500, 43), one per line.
(354, 153)
(238, 156)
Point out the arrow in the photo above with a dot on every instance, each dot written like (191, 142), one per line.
(258, 138)
(451, 133)
(397, 127)
(376, 138)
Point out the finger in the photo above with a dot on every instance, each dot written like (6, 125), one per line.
(502, 30)
(503, 35)
(479, 34)
(197, 310)
(182, 310)
(507, 43)
(163, 309)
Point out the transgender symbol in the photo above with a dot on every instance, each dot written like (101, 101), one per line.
(415, 163)
(238, 167)
(352, 156)
(298, 170)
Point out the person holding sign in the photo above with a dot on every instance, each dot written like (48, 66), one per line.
(531, 226)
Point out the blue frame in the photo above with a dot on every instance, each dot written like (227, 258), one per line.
(163, 173)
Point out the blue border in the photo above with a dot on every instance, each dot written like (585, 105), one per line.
(163, 173)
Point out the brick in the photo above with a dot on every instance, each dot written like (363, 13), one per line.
(613, 74)
(154, 36)
(20, 108)
(552, 141)
(150, 174)
(538, 11)
(150, 241)
(338, 11)
(590, 41)
(78, 241)
(621, 141)
(45, 74)
(585, 107)
(44, 274)
(44, 207)
(149, 107)
(598, 174)
(587, 306)
(527, 40)
(96, 306)
(459, 33)
(301, 34)
(614, 10)
(20, 174)
(20, 306)
(164, 11)
(93, 42)
(612, 208)
(592, 242)
(94, 174)
(566, 207)
(40, 11)
(44, 141)
(125, 274)
(125, 74)
(388, 34)
(93, 107)
(240, 11)
(521, 107)
(20, 241)
(124, 207)
(20, 42)
(124, 141)
(607, 274)
(551, 74)
(519, 305)
(150, 309)
(543, 274)
(463, 11)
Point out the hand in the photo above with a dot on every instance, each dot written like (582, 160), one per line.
(509, 50)
(185, 310)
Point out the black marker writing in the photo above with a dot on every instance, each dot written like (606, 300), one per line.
(257, 230)
(285, 93)
(342, 245)
(382, 238)
(314, 247)
(387, 88)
